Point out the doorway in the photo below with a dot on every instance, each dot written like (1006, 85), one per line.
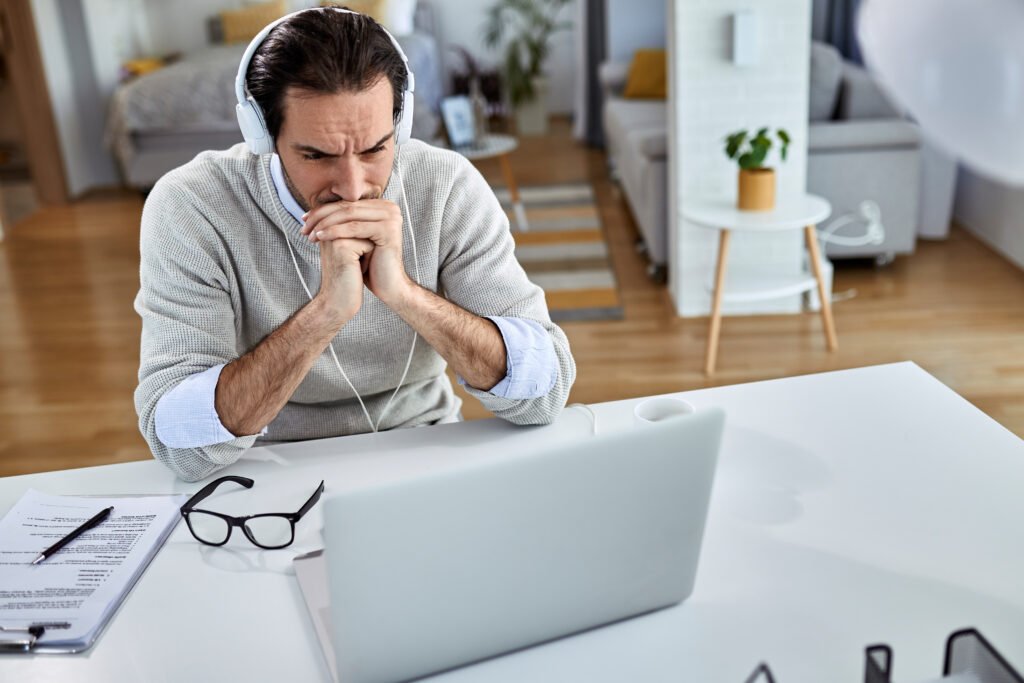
(31, 168)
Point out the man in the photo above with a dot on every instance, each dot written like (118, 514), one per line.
(321, 290)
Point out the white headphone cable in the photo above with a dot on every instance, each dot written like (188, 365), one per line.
(295, 262)
(416, 267)
(375, 427)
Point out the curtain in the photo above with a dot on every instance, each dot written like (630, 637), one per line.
(591, 50)
(835, 22)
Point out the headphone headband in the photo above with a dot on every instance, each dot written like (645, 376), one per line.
(251, 119)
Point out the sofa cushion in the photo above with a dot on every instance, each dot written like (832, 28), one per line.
(883, 134)
(826, 77)
(624, 117)
(652, 142)
(862, 97)
(648, 77)
(612, 77)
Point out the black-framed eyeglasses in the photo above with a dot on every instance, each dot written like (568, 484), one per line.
(271, 530)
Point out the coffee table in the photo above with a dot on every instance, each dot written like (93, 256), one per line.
(500, 146)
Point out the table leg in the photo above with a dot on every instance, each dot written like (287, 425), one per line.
(513, 191)
(824, 297)
(716, 305)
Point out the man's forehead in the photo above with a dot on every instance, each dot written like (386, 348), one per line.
(315, 119)
(378, 95)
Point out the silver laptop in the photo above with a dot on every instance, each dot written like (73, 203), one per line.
(451, 568)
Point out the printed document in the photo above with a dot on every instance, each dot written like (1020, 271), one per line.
(74, 592)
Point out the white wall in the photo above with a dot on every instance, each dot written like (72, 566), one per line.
(710, 97)
(632, 25)
(118, 30)
(993, 212)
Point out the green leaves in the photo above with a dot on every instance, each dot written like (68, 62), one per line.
(525, 27)
(751, 152)
(733, 142)
(784, 137)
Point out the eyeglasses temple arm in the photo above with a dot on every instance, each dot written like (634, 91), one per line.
(311, 502)
(211, 487)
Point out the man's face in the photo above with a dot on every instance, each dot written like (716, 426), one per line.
(337, 147)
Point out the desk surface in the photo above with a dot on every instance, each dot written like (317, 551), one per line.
(849, 508)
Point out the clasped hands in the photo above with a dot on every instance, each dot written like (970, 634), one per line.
(360, 244)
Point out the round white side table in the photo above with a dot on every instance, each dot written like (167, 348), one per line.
(496, 145)
(804, 213)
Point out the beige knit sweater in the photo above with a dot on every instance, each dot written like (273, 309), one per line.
(216, 279)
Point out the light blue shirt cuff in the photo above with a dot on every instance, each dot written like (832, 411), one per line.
(531, 367)
(186, 416)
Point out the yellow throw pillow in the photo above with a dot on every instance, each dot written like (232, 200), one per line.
(240, 25)
(141, 67)
(648, 77)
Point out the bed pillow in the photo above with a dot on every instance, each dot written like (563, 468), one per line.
(241, 25)
(647, 77)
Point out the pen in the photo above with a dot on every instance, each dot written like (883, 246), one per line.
(96, 519)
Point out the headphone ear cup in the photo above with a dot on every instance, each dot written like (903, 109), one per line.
(403, 131)
(253, 127)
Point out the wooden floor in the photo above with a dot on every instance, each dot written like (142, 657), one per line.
(69, 337)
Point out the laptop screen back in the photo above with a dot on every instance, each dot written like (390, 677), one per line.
(509, 551)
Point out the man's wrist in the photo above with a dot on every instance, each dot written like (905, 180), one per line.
(327, 313)
(405, 298)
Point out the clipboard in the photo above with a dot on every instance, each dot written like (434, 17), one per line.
(23, 639)
(56, 628)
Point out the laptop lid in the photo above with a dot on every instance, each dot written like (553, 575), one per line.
(513, 550)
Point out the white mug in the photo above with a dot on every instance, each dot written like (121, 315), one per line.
(660, 409)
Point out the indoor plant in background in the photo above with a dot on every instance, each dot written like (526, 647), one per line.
(756, 181)
(525, 28)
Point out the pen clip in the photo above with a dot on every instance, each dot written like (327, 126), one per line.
(21, 643)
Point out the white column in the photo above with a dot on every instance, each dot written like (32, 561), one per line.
(710, 97)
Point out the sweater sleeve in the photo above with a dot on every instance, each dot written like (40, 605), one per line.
(480, 273)
(188, 320)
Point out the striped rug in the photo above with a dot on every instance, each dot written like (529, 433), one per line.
(564, 251)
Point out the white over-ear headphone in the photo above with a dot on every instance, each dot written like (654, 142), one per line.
(250, 116)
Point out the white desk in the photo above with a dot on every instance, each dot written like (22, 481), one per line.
(850, 508)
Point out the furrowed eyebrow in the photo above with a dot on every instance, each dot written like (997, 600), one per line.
(310, 149)
(380, 142)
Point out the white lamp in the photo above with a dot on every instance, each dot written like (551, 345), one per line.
(957, 66)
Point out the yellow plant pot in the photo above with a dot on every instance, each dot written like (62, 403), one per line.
(757, 189)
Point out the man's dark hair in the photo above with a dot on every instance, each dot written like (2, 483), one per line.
(323, 51)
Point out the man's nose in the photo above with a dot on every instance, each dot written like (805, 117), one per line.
(349, 181)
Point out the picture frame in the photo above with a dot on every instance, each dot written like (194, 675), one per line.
(457, 113)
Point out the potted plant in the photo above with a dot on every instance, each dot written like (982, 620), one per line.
(756, 181)
(525, 28)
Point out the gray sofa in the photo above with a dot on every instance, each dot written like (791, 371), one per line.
(859, 148)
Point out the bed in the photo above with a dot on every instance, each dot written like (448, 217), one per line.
(161, 120)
